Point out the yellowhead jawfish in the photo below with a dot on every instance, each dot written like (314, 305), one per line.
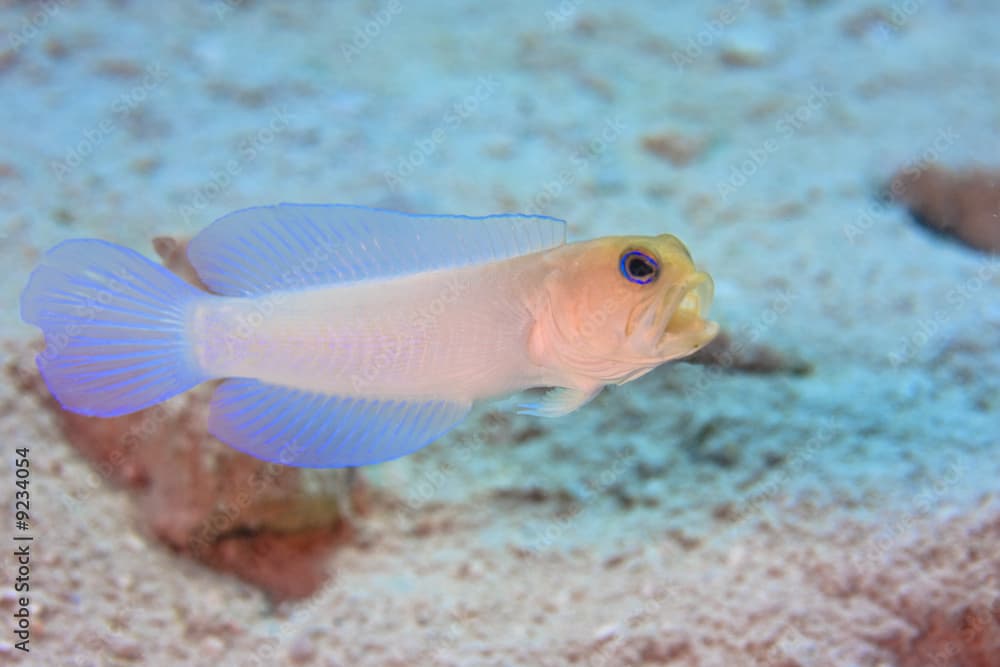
(347, 335)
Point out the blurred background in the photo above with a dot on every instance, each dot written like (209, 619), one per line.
(820, 489)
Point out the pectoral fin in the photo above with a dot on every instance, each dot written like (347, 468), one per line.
(559, 402)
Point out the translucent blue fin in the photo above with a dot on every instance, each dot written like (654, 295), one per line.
(559, 402)
(114, 325)
(313, 430)
(291, 246)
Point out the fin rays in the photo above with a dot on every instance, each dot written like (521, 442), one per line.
(314, 430)
(294, 246)
(115, 326)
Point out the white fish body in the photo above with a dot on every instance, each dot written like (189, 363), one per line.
(456, 334)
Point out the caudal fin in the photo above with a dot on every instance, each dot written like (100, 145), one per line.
(115, 326)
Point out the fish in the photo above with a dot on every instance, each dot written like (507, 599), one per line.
(343, 335)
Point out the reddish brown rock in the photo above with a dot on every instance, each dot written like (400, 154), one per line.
(737, 356)
(675, 148)
(173, 252)
(201, 497)
(963, 204)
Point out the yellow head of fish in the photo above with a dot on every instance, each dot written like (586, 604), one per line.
(617, 307)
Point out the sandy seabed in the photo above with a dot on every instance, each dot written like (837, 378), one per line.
(846, 516)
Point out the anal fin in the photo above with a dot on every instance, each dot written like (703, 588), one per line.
(313, 430)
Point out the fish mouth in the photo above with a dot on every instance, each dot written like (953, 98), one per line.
(687, 330)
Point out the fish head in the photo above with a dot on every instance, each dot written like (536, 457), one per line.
(620, 306)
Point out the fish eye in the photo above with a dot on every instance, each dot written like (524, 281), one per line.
(639, 267)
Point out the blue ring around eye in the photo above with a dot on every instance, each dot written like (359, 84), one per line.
(623, 267)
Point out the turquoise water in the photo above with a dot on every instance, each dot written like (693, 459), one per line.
(841, 510)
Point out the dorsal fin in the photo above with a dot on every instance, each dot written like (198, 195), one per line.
(291, 246)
